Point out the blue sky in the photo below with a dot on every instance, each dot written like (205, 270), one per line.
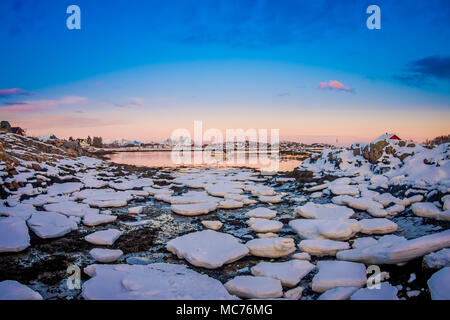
(136, 64)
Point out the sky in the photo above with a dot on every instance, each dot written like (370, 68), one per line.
(141, 69)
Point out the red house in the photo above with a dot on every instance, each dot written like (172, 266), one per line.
(18, 130)
(394, 137)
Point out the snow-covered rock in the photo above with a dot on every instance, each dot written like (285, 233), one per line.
(385, 292)
(13, 290)
(264, 225)
(157, 281)
(254, 287)
(322, 248)
(333, 274)
(262, 212)
(104, 237)
(70, 208)
(439, 284)
(105, 255)
(271, 247)
(289, 273)
(94, 219)
(208, 249)
(51, 225)
(14, 235)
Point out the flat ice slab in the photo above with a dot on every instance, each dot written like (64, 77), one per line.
(385, 292)
(323, 211)
(333, 274)
(271, 247)
(213, 225)
(104, 237)
(264, 225)
(322, 248)
(194, 209)
(105, 255)
(254, 287)
(209, 249)
(289, 273)
(70, 208)
(14, 235)
(377, 226)
(13, 290)
(94, 219)
(439, 284)
(339, 293)
(437, 260)
(51, 224)
(262, 212)
(156, 281)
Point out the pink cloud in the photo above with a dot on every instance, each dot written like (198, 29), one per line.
(334, 85)
(14, 92)
(29, 106)
(66, 121)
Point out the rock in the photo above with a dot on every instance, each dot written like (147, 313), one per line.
(51, 225)
(14, 235)
(156, 281)
(104, 237)
(94, 219)
(213, 225)
(264, 225)
(293, 294)
(437, 260)
(333, 274)
(395, 252)
(136, 210)
(289, 273)
(261, 212)
(271, 247)
(439, 284)
(13, 290)
(322, 247)
(254, 287)
(323, 211)
(194, 209)
(208, 249)
(105, 255)
(385, 292)
(377, 226)
(339, 293)
(301, 256)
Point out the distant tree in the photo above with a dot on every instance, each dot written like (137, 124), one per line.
(89, 140)
(70, 138)
(439, 140)
(97, 142)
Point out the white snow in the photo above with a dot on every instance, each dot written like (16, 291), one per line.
(271, 247)
(322, 247)
(377, 226)
(323, 211)
(14, 235)
(208, 249)
(264, 225)
(339, 293)
(95, 219)
(70, 208)
(262, 212)
(213, 225)
(105, 255)
(194, 209)
(13, 290)
(385, 292)
(51, 225)
(439, 284)
(333, 274)
(437, 260)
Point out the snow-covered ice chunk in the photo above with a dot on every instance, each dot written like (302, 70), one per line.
(339, 189)
(271, 247)
(264, 225)
(425, 209)
(377, 226)
(439, 284)
(364, 242)
(293, 294)
(322, 247)
(14, 235)
(64, 188)
(289, 273)
(105, 255)
(13, 290)
(361, 203)
(262, 212)
(437, 260)
(194, 209)
(385, 292)
(104, 237)
(136, 210)
(208, 249)
(51, 224)
(230, 204)
(333, 274)
(339, 293)
(270, 199)
(213, 225)
(301, 256)
(254, 287)
(395, 252)
(323, 211)
(94, 219)
(156, 281)
(70, 208)
(267, 235)
(23, 211)
(342, 229)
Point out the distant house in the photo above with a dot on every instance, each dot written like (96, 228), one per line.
(388, 136)
(394, 137)
(18, 130)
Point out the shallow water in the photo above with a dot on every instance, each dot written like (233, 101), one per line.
(264, 162)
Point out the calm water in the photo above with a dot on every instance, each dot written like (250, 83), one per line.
(200, 159)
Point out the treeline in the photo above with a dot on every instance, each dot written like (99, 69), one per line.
(439, 140)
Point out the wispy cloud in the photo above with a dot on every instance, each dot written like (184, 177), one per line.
(66, 121)
(28, 106)
(418, 73)
(334, 85)
(132, 103)
(14, 92)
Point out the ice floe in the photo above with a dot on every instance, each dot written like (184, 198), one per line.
(289, 273)
(264, 225)
(322, 248)
(51, 225)
(323, 211)
(14, 235)
(95, 219)
(438, 259)
(439, 284)
(333, 274)
(377, 226)
(262, 212)
(385, 292)
(105, 255)
(13, 290)
(254, 287)
(271, 247)
(104, 237)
